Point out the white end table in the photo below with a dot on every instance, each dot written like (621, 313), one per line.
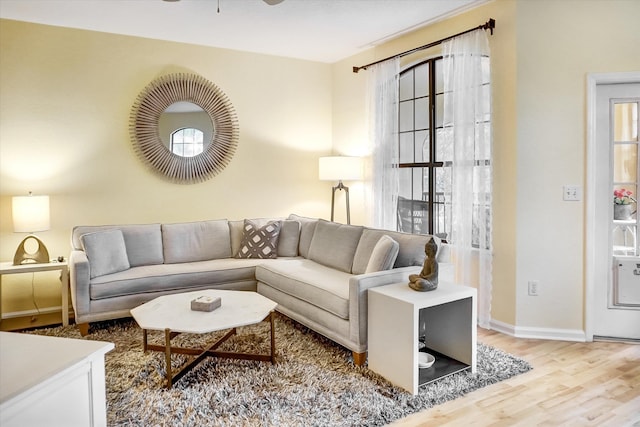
(449, 313)
(9, 268)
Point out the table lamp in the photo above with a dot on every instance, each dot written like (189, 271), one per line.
(338, 168)
(30, 214)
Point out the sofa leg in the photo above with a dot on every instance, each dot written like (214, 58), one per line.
(84, 329)
(359, 358)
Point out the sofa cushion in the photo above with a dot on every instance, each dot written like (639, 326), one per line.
(144, 244)
(334, 245)
(106, 252)
(143, 241)
(289, 238)
(196, 241)
(307, 228)
(384, 255)
(259, 242)
(323, 287)
(410, 252)
(148, 279)
(287, 241)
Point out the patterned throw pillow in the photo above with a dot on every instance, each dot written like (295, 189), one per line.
(259, 242)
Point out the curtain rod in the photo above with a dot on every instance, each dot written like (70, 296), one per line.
(489, 25)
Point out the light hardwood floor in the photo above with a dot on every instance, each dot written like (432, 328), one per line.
(571, 384)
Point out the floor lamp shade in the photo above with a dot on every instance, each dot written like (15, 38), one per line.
(339, 168)
(30, 214)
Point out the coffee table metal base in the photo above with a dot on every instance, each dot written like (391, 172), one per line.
(199, 353)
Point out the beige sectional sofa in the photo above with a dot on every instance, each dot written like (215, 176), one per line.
(317, 271)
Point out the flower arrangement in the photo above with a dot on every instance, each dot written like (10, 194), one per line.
(623, 197)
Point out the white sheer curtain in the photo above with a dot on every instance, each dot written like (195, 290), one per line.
(383, 134)
(467, 115)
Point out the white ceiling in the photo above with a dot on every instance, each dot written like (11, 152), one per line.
(316, 30)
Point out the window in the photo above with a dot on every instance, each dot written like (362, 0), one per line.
(625, 176)
(424, 151)
(187, 142)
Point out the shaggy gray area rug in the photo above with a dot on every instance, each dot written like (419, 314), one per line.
(312, 383)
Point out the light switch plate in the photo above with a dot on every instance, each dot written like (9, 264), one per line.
(571, 193)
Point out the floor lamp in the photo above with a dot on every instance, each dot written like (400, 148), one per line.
(30, 214)
(339, 168)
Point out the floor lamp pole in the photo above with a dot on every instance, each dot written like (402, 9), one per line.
(340, 186)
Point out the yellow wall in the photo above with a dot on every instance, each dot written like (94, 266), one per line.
(65, 102)
(558, 43)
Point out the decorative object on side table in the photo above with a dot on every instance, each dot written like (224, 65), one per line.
(427, 280)
(622, 204)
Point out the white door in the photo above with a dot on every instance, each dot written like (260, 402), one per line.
(616, 298)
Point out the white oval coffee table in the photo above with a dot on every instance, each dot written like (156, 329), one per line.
(173, 315)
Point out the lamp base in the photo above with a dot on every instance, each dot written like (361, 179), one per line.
(340, 186)
(40, 256)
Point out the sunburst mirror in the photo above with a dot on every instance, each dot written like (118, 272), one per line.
(184, 128)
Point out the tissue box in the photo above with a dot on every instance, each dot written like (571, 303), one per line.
(205, 303)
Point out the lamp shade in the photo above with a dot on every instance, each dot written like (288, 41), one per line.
(30, 213)
(340, 168)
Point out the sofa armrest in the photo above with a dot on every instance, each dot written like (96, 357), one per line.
(79, 281)
(358, 297)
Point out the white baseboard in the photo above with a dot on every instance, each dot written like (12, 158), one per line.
(538, 333)
(33, 312)
(502, 327)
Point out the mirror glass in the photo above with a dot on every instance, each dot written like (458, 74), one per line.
(185, 129)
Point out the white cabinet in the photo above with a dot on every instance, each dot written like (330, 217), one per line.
(449, 315)
(51, 381)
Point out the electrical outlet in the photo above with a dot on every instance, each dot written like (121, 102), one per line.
(533, 288)
(571, 193)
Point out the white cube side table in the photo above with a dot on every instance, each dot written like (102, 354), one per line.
(449, 313)
(9, 268)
